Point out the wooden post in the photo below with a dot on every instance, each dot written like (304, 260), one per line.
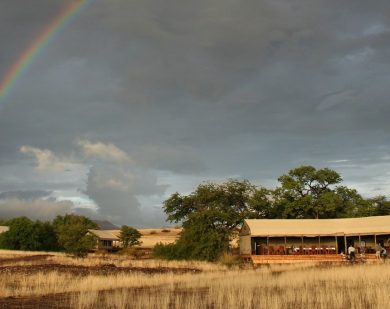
(360, 244)
(285, 245)
(345, 244)
(375, 239)
(267, 245)
(337, 247)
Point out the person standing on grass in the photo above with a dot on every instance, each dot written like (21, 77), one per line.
(351, 253)
(378, 250)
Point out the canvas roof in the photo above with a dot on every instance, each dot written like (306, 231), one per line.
(106, 234)
(316, 227)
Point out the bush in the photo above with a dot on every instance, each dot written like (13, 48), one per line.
(165, 231)
(167, 252)
(25, 234)
(152, 233)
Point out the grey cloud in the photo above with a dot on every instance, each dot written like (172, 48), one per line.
(198, 90)
(117, 192)
(35, 209)
(24, 195)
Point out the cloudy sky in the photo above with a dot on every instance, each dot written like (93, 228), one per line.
(134, 100)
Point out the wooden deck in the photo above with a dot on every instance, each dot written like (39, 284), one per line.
(296, 258)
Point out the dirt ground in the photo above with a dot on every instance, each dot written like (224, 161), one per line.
(77, 270)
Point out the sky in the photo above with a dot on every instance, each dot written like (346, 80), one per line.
(134, 100)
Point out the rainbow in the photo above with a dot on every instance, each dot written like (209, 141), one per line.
(25, 59)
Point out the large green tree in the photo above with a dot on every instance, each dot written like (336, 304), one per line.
(209, 216)
(72, 232)
(307, 192)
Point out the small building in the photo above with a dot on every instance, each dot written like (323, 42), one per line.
(261, 237)
(107, 239)
(4, 229)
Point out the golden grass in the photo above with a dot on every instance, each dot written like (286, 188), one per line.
(99, 260)
(275, 286)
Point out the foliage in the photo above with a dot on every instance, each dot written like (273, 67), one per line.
(376, 206)
(167, 251)
(72, 231)
(25, 234)
(129, 236)
(208, 215)
(306, 192)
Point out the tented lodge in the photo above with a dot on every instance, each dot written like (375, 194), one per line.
(312, 237)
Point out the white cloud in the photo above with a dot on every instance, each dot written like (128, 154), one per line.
(46, 160)
(108, 152)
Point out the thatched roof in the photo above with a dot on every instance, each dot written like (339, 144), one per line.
(316, 227)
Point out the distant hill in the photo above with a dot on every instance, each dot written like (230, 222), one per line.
(105, 225)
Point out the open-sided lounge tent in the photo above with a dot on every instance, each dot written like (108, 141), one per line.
(259, 234)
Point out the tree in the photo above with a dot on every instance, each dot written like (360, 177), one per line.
(129, 236)
(72, 231)
(209, 216)
(25, 234)
(306, 192)
(376, 206)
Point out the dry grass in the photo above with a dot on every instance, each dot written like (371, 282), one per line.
(99, 260)
(276, 286)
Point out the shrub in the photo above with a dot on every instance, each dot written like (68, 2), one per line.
(25, 234)
(165, 231)
(166, 251)
(152, 233)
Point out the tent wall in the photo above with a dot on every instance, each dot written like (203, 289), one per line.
(245, 245)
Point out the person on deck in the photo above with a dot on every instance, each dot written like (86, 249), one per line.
(384, 254)
(351, 253)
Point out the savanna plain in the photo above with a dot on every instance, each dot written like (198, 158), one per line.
(54, 280)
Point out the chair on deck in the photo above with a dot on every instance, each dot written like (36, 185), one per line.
(281, 250)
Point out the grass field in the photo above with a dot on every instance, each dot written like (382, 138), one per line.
(46, 280)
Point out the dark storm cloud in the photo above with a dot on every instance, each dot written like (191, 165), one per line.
(208, 88)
